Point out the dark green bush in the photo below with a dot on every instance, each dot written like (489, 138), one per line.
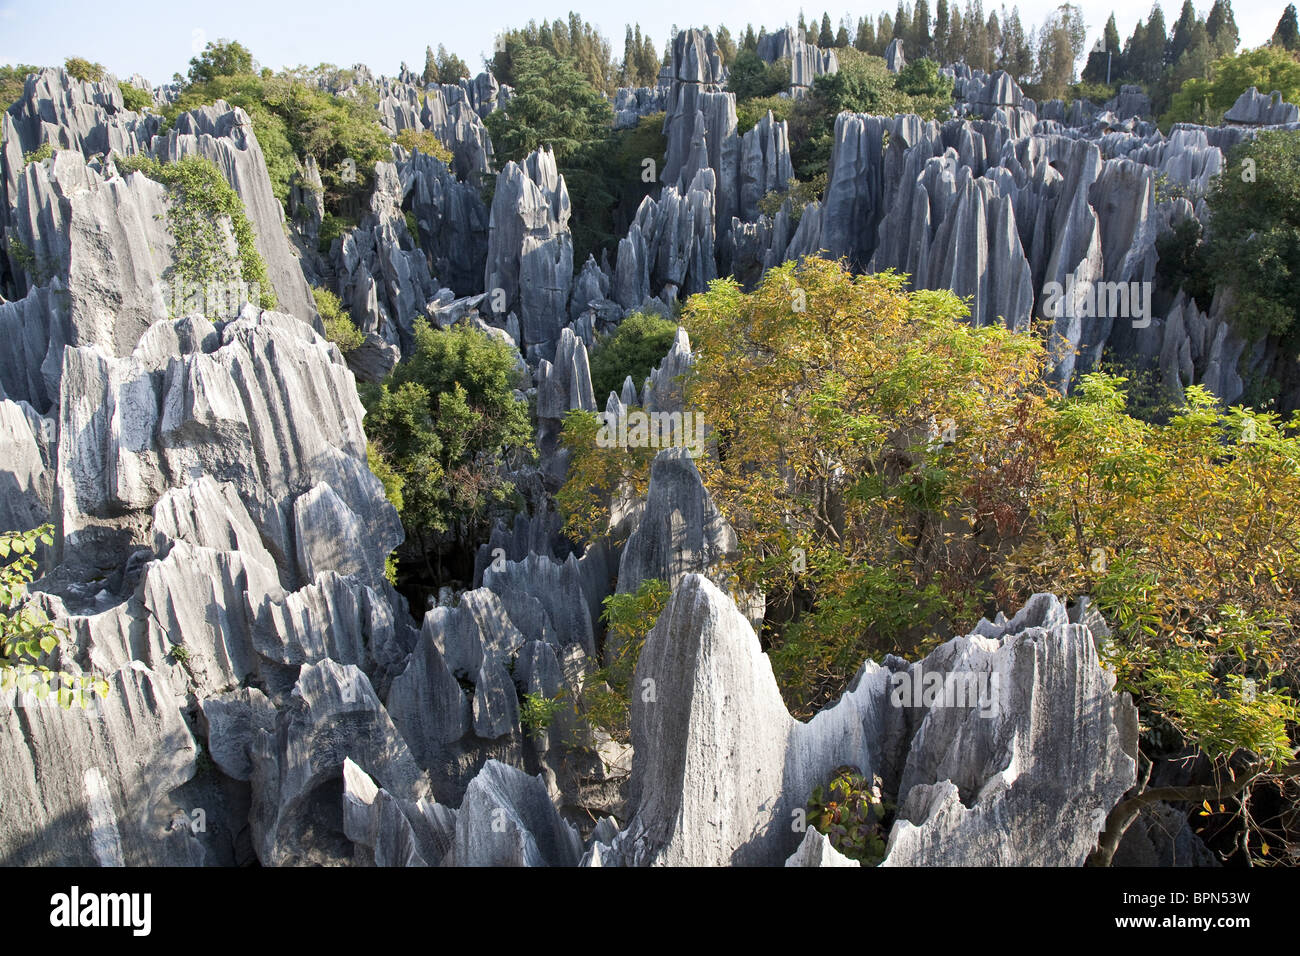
(639, 344)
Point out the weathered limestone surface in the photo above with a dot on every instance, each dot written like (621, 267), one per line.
(720, 766)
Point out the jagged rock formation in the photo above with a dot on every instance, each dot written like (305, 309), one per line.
(632, 103)
(807, 62)
(1253, 108)
(530, 251)
(224, 134)
(99, 791)
(720, 766)
(681, 531)
(670, 245)
(1130, 103)
(221, 543)
(451, 222)
(382, 277)
(895, 57)
(815, 850)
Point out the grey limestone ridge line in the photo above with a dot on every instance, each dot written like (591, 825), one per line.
(221, 541)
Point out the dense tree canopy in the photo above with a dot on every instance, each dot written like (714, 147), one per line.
(554, 105)
(894, 474)
(1255, 250)
(443, 424)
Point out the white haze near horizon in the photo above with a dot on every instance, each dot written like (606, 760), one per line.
(156, 38)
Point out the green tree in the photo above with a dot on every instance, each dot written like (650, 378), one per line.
(82, 69)
(726, 45)
(1018, 53)
(751, 78)
(443, 424)
(430, 74)
(942, 26)
(1102, 62)
(451, 68)
(554, 105)
(1206, 100)
(825, 37)
(201, 200)
(222, 58)
(1255, 249)
(636, 347)
(865, 40)
(1182, 35)
(1287, 33)
(1222, 27)
(1060, 44)
(920, 42)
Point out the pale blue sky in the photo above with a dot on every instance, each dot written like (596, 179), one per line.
(157, 37)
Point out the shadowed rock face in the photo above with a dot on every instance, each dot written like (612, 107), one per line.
(96, 788)
(720, 766)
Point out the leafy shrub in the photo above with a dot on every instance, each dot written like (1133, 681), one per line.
(537, 711)
(12, 81)
(331, 228)
(1093, 92)
(853, 815)
(1183, 262)
(40, 154)
(443, 424)
(800, 195)
(136, 99)
(82, 69)
(638, 344)
(1255, 249)
(921, 78)
(750, 78)
(27, 635)
(292, 118)
(426, 142)
(752, 111)
(628, 619)
(339, 327)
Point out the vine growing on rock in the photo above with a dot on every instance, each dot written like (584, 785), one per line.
(201, 200)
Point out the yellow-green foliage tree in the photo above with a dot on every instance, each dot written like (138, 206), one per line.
(894, 474)
(426, 142)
